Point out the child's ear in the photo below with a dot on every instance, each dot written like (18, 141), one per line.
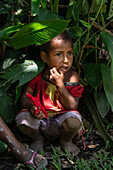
(43, 56)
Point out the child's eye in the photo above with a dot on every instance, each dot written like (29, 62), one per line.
(70, 53)
(58, 54)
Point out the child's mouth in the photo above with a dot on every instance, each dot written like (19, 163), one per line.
(63, 69)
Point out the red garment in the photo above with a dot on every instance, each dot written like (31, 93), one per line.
(48, 95)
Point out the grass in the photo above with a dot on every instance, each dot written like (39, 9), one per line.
(102, 160)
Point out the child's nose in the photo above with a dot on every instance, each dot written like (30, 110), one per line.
(66, 59)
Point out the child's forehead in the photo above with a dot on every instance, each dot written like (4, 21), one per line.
(60, 42)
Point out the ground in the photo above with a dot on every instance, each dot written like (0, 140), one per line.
(93, 141)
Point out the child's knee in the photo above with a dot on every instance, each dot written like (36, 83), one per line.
(28, 131)
(71, 123)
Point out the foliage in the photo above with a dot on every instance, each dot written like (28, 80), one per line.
(100, 160)
(25, 24)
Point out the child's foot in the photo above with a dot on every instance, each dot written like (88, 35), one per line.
(71, 148)
(31, 158)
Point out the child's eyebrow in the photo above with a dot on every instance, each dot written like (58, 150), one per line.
(62, 50)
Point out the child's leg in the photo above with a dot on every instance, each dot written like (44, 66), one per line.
(29, 126)
(21, 153)
(36, 137)
(70, 128)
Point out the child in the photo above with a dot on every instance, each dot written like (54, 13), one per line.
(28, 157)
(58, 91)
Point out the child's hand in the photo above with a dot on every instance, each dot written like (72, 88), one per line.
(56, 77)
(36, 114)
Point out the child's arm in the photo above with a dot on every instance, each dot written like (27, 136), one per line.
(24, 100)
(26, 103)
(68, 101)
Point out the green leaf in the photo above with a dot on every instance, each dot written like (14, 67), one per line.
(7, 111)
(108, 41)
(102, 103)
(13, 57)
(7, 31)
(92, 73)
(86, 24)
(76, 9)
(77, 31)
(108, 86)
(3, 90)
(4, 8)
(18, 93)
(30, 72)
(37, 33)
(35, 4)
(3, 147)
(85, 7)
(21, 72)
(45, 14)
(69, 12)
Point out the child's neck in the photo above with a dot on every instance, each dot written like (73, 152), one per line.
(47, 72)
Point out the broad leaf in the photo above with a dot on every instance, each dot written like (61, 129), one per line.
(69, 12)
(77, 31)
(85, 7)
(108, 86)
(102, 103)
(7, 111)
(108, 41)
(4, 8)
(76, 9)
(7, 31)
(92, 73)
(37, 33)
(35, 4)
(21, 72)
(13, 57)
(45, 14)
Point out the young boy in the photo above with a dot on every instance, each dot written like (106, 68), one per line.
(58, 91)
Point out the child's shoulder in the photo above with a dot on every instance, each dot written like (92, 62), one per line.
(73, 76)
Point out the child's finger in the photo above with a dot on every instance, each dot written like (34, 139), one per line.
(41, 115)
(34, 108)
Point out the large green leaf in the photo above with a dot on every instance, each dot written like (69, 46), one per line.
(13, 57)
(76, 9)
(21, 72)
(85, 7)
(35, 4)
(108, 86)
(77, 31)
(92, 73)
(7, 31)
(108, 41)
(45, 14)
(102, 103)
(7, 110)
(37, 33)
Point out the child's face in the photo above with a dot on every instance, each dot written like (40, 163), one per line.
(61, 55)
